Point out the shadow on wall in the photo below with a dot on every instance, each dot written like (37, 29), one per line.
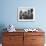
(2, 26)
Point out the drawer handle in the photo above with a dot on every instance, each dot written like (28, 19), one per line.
(11, 38)
(33, 39)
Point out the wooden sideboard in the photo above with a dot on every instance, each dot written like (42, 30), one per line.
(23, 39)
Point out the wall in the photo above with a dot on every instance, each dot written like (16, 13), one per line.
(9, 13)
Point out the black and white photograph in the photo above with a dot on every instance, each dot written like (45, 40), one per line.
(26, 14)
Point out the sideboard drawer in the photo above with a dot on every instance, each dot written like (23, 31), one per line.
(37, 39)
(34, 33)
(13, 33)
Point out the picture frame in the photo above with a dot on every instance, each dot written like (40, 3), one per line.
(26, 14)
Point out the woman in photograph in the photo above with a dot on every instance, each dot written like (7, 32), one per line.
(20, 14)
(31, 16)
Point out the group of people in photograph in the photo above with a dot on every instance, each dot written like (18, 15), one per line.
(26, 14)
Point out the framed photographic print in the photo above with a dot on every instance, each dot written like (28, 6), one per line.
(26, 14)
